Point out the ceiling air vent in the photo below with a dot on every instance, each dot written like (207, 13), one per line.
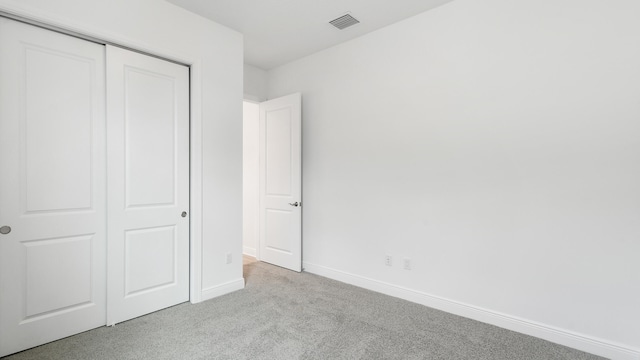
(344, 21)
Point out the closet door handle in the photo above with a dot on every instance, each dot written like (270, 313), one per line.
(184, 214)
(5, 230)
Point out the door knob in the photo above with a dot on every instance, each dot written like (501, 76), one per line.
(5, 230)
(294, 204)
(184, 214)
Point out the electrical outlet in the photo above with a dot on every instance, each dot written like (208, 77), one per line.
(229, 258)
(388, 260)
(407, 264)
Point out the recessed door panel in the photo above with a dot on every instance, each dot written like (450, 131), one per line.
(52, 186)
(277, 228)
(56, 129)
(150, 138)
(58, 275)
(147, 270)
(278, 151)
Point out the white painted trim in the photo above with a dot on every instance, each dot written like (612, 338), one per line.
(542, 331)
(37, 16)
(195, 190)
(219, 290)
(249, 251)
(196, 156)
(252, 99)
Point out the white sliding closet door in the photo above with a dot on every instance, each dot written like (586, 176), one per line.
(52, 186)
(148, 184)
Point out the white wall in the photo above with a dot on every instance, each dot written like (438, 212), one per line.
(250, 177)
(216, 52)
(496, 144)
(255, 83)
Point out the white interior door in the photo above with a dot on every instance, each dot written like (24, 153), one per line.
(52, 186)
(148, 183)
(281, 182)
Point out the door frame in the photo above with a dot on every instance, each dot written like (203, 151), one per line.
(256, 175)
(195, 121)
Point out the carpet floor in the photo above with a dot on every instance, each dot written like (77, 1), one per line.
(286, 315)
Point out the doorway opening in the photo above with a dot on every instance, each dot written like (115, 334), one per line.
(272, 181)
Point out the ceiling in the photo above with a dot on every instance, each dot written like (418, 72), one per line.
(279, 31)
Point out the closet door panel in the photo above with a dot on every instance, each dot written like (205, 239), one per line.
(52, 187)
(148, 183)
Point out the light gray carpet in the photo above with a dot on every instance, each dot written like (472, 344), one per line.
(286, 315)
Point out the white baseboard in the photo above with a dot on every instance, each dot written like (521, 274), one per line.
(542, 331)
(249, 251)
(219, 290)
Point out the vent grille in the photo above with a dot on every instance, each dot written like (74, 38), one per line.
(344, 21)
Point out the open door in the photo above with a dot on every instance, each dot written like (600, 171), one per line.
(281, 182)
